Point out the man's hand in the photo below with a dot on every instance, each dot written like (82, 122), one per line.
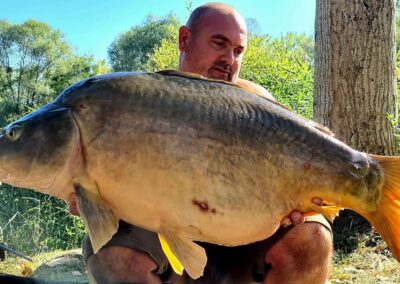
(296, 217)
(72, 207)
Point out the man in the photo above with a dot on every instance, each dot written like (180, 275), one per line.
(212, 45)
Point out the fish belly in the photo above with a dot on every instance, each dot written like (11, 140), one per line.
(199, 187)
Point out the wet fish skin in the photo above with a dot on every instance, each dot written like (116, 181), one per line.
(193, 159)
(37, 159)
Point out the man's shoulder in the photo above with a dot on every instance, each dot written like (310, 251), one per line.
(254, 88)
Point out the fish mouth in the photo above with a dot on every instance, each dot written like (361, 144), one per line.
(27, 182)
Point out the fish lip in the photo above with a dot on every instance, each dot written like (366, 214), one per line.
(41, 186)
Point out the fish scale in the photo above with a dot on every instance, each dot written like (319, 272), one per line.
(192, 159)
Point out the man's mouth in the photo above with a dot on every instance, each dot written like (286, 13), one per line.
(220, 73)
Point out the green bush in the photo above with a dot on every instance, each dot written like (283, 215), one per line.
(31, 222)
(284, 67)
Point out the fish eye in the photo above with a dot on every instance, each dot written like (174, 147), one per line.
(13, 132)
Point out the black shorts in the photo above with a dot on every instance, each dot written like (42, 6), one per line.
(243, 263)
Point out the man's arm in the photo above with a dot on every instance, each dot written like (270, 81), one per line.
(255, 88)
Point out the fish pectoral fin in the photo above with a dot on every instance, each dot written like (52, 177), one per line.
(98, 217)
(173, 260)
(328, 211)
(183, 253)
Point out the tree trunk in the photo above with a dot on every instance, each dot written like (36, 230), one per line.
(355, 84)
(355, 80)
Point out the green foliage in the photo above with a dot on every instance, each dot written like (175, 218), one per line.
(27, 54)
(165, 55)
(284, 67)
(132, 49)
(74, 69)
(32, 222)
(35, 65)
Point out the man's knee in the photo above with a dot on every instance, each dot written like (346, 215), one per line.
(116, 264)
(305, 247)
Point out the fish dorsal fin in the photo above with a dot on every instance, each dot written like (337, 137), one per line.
(321, 128)
(98, 217)
(183, 74)
(195, 76)
(190, 255)
(199, 77)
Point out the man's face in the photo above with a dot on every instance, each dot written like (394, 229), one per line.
(215, 48)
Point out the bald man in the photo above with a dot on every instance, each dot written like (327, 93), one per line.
(212, 44)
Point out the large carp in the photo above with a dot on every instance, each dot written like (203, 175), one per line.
(192, 159)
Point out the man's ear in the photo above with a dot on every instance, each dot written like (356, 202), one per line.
(184, 35)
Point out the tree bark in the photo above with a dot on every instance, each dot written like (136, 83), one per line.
(355, 86)
(355, 80)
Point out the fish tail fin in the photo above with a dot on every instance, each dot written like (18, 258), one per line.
(386, 218)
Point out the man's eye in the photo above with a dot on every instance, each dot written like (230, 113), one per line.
(218, 43)
(238, 51)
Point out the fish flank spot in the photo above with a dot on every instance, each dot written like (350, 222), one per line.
(307, 166)
(203, 206)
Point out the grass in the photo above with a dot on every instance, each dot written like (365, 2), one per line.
(74, 271)
(359, 258)
(17, 266)
(365, 265)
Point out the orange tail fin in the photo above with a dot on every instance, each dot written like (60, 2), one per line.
(386, 219)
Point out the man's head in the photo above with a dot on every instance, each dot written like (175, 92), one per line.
(212, 42)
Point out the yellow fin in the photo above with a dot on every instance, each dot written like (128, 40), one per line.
(309, 214)
(328, 211)
(176, 265)
(192, 256)
(387, 215)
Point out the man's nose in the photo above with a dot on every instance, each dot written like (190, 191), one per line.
(228, 56)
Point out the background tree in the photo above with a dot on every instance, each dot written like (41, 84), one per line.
(165, 55)
(253, 27)
(355, 83)
(35, 65)
(132, 49)
(355, 86)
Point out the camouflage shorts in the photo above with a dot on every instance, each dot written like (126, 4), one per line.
(244, 264)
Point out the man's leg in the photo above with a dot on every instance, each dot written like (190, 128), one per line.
(117, 264)
(133, 255)
(298, 254)
(302, 255)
